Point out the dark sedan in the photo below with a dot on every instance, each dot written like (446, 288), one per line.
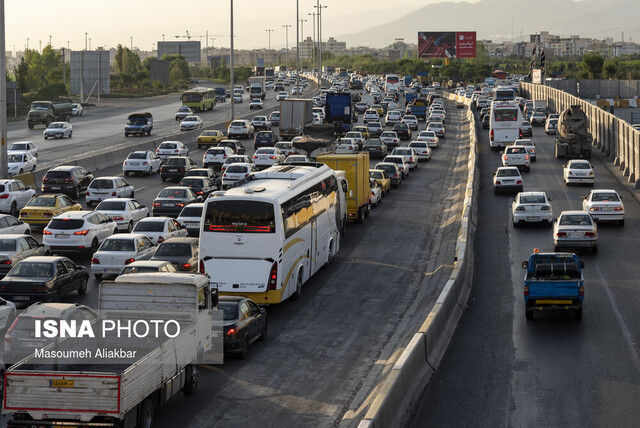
(265, 139)
(181, 252)
(375, 147)
(244, 323)
(171, 200)
(176, 167)
(402, 131)
(201, 186)
(43, 279)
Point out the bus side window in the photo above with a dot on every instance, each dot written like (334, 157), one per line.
(345, 189)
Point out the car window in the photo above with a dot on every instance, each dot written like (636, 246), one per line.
(68, 201)
(32, 242)
(244, 311)
(22, 244)
(60, 268)
(605, 197)
(62, 201)
(69, 265)
(575, 220)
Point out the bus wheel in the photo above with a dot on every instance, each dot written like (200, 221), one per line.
(298, 292)
(146, 414)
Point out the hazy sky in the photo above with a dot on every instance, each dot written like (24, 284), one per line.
(110, 22)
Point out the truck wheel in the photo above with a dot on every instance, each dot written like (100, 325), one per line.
(82, 290)
(192, 381)
(528, 315)
(145, 419)
(126, 134)
(360, 215)
(367, 210)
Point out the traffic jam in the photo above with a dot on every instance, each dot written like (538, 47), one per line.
(239, 224)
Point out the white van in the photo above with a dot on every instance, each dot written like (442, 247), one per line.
(504, 124)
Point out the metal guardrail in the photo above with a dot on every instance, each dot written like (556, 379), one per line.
(613, 137)
(421, 357)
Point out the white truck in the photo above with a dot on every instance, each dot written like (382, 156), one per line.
(256, 87)
(295, 114)
(68, 391)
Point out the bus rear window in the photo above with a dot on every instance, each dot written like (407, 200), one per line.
(239, 216)
(505, 115)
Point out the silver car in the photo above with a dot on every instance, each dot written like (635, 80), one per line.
(575, 229)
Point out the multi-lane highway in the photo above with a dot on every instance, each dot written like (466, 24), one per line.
(502, 370)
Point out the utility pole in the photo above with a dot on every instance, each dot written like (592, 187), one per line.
(232, 80)
(163, 37)
(320, 36)
(50, 40)
(40, 49)
(131, 38)
(313, 47)
(68, 48)
(269, 31)
(89, 43)
(27, 43)
(302, 21)
(297, 46)
(64, 68)
(3, 98)
(86, 41)
(286, 29)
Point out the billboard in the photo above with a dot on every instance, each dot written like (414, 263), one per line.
(446, 44)
(90, 72)
(536, 76)
(189, 49)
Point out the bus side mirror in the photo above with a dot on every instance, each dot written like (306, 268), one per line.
(350, 193)
(525, 264)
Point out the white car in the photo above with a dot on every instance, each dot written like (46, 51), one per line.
(119, 250)
(430, 138)
(126, 212)
(166, 149)
(76, 109)
(317, 120)
(575, 229)
(281, 96)
(237, 98)
(191, 122)
(286, 147)
(145, 162)
(261, 122)
(23, 147)
(390, 139)
(370, 116)
(320, 112)
(393, 117)
(14, 195)
(234, 159)
(235, 172)
(376, 193)
(297, 159)
(58, 130)
(531, 207)
(256, 104)
(191, 217)
(267, 156)
(400, 162)
(507, 179)
(436, 127)
(529, 145)
(578, 171)
(7, 314)
(11, 225)
(347, 146)
(240, 128)
(78, 231)
(159, 229)
(421, 149)
(355, 136)
(102, 188)
(604, 205)
(411, 121)
(216, 156)
(516, 156)
(19, 163)
(408, 154)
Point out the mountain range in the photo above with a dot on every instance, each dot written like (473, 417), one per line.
(504, 19)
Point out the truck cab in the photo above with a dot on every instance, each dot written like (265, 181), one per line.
(553, 282)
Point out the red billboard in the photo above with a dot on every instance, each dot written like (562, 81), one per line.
(446, 44)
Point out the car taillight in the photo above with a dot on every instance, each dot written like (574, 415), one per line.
(6, 262)
(594, 209)
(157, 204)
(181, 169)
(186, 266)
(114, 194)
(68, 179)
(546, 208)
(526, 290)
(617, 208)
(45, 180)
(581, 291)
(272, 157)
(519, 182)
(246, 175)
(163, 169)
(590, 172)
(255, 157)
(175, 151)
(491, 135)
(561, 234)
(520, 132)
(395, 174)
(224, 156)
(145, 163)
(131, 260)
(201, 264)
(231, 332)
(4, 196)
(95, 261)
(81, 232)
(497, 181)
(505, 157)
(273, 276)
(590, 234)
(179, 204)
(526, 157)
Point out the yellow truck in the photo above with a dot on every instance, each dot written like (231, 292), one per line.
(356, 172)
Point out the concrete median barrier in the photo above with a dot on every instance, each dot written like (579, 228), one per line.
(419, 360)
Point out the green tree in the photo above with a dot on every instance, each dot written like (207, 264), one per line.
(593, 63)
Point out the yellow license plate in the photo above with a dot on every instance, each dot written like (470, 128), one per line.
(61, 383)
(555, 302)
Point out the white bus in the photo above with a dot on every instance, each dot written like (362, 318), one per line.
(391, 83)
(504, 124)
(266, 237)
(504, 93)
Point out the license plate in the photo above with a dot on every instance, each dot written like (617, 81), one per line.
(171, 169)
(532, 218)
(62, 236)
(20, 297)
(576, 234)
(55, 187)
(555, 302)
(61, 383)
(605, 209)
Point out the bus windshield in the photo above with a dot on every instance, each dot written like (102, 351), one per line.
(239, 216)
(190, 97)
(505, 115)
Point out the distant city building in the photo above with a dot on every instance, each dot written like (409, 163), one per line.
(330, 45)
(189, 49)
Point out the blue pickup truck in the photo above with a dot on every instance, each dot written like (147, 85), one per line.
(139, 124)
(419, 108)
(553, 282)
(339, 111)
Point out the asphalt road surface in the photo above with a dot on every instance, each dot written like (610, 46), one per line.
(328, 351)
(502, 370)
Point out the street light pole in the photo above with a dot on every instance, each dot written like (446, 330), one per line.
(313, 47)
(302, 21)
(232, 81)
(86, 40)
(3, 98)
(269, 31)
(297, 45)
(286, 52)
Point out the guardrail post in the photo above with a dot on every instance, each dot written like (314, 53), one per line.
(611, 136)
(636, 163)
(617, 138)
(625, 143)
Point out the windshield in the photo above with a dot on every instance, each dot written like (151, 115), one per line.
(375, 174)
(174, 249)
(216, 152)
(532, 199)
(605, 197)
(138, 155)
(191, 212)
(173, 193)
(516, 151)
(149, 226)
(19, 147)
(99, 183)
(228, 310)
(191, 98)
(176, 161)
(237, 168)
(41, 201)
(580, 165)
(111, 206)
(373, 143)
(32, 270)
(237, 123)
(575, 220)
(505, 115)
(40, 106)
(245, 216)
(56, 125)
(7, 245)
(65, 224)
(192, 182)
(412, 144)
(140, 269)
(190, 119)
(14, 158)
(118, 245)
(167, 146)
(184, 109)
(508, 173)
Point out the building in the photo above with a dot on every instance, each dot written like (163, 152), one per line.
(330, 45)
(189, 49)
(622, 49)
